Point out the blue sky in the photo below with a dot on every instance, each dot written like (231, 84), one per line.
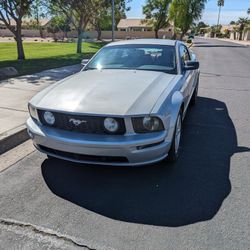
(231, 11)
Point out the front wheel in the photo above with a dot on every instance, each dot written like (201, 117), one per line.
(173, 153)
(195, 94)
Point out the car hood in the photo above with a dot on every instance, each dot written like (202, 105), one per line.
(113, 92)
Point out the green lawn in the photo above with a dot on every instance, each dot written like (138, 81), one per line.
(41, 56)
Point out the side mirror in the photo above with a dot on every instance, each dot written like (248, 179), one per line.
(84, 62)
(191, 65)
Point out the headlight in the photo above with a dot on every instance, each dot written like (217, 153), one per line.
(151, 123)
(111, 125)
(49, 117)
(147, 124)
(33, 112)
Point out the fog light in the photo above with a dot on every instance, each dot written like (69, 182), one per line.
(111, 125)
(49, 117)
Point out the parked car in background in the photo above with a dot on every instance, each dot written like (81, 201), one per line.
(125, 107)
(191, 36)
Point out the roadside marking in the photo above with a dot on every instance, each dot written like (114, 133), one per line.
(16, 154)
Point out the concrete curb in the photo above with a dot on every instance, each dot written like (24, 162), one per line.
(243, 43)
(13, 138)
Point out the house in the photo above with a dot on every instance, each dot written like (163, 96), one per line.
(3, 26)
(246, 36)
(26, 22)
(134, 25)
(139, 25)
(226, 29)
(235, 34)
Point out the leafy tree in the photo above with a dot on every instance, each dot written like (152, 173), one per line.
(78, 11)
(248, 11)
(16, 10)
(57, 24)
(200, 26)
(156, 12)
(102, 18)
(37, 12)
(29, 24)
(235, 30)
(247, 28)
(53, 28)
(120, 10)
(214, 29)
(232, 23)
(185, 12)
(242, 22)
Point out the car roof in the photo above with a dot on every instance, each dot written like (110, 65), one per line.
(145, 41)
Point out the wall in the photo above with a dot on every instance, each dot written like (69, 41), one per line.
(93, 34)
(129, 34)
(26, 33)
(245, 37)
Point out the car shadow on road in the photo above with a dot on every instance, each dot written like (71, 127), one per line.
(189, 191)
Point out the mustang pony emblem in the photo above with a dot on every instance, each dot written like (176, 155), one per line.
(77, 122)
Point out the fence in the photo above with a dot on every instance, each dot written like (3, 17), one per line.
(236, 36)
(92, 34)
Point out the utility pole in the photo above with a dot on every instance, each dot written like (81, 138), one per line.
(113, 20)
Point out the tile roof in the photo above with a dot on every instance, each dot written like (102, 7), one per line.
(126, 23)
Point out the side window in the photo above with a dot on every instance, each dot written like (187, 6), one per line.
(184, 54)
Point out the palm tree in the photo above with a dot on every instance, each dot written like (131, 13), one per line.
(220, 3)
(242, 22)
(235, 30)
(185, 12)
(156, 12)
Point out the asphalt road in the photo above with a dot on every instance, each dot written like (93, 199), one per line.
(201, 202)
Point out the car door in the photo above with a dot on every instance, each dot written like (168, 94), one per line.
(188, 75)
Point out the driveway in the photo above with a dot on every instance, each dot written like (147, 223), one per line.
(201, 202)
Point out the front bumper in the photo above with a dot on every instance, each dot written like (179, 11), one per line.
(137, 149)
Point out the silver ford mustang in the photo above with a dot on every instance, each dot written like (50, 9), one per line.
(125, 107)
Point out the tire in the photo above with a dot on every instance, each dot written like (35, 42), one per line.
(174, 151)
(195, 94)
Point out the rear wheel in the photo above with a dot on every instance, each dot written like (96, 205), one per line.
(173, 153)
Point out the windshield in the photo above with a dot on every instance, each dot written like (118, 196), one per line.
(139, 57)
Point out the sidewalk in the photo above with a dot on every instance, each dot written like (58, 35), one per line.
(14, 96)
(244, 43)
